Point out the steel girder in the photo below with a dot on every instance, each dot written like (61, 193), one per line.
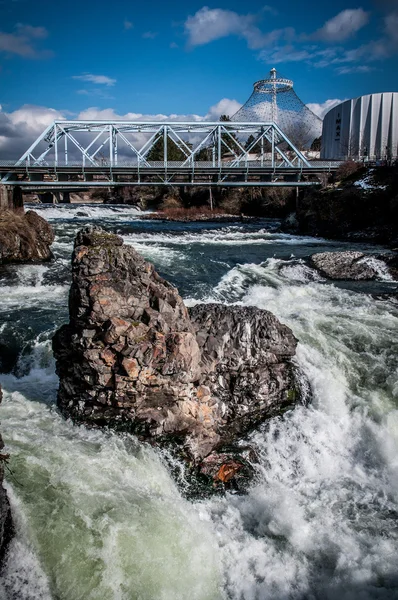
(110, 147)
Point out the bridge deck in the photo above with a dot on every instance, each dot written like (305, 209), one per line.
(159, 173)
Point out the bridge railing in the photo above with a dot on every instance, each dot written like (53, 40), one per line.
(257, 163)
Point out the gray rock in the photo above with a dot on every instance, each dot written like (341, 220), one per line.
(132, 356)
(351, 265)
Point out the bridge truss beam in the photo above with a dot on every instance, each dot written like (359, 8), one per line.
(110, 153)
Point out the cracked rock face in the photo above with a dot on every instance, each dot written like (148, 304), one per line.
(132, 357)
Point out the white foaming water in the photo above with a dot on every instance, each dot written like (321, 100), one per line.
(379, 267)
(32, 296)
(89, 212)
(300, 272)
(228, 236)
(321, 520)
(102, 513)
(155, 252)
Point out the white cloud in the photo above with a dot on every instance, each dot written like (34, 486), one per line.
(149, 35)
(354, 69)
(375, 50)
(32, 32)
(22, 42)
(284, 54)
(223, 107)
(97, 79)
(391, 25)
(342, 26)
(270, 9)
(324, 107)
(98, 92)
(35, 118)
(207, 25)
(128, 24)
(20, 128)
(286, 45)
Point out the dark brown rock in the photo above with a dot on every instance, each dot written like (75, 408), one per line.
(24, 237)
(133, 357)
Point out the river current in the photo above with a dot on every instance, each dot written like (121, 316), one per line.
(98, 515)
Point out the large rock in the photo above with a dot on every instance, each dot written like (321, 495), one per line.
(351, 265)
(132, 357)
(5, 512)
(24, 237)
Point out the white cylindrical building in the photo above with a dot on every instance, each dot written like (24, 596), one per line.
(362, 128)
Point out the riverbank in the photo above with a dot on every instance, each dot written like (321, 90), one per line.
(361, 206)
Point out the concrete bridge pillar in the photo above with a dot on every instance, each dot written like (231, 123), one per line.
(11, 198)
(64, 197)
(47, 198)
(55, 197)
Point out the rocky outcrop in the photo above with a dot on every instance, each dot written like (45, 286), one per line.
(5, 512)
(24, 237)
(347, 211)
(353, 265)
(132, 357)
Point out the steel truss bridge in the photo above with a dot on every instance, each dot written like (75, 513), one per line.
(75, 154)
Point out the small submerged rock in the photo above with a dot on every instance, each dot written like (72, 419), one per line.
(134, 358)
(353, 265)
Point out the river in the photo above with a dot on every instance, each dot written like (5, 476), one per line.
(98, 515)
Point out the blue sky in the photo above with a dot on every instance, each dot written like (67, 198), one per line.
(87, 59)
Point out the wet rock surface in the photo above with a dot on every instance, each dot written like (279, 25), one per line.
(132, 356)
(5, 511)
(353, 265)
(24, 237)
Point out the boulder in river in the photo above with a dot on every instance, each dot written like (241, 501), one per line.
(351, 265)
(24, 237)
(134, 358)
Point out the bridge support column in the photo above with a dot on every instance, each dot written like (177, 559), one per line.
(64, 197)
(47, 198)
(11, 198)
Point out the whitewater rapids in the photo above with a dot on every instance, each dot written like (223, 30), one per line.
(98, 515)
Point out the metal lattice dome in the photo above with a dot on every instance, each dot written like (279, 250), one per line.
(274, 99)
